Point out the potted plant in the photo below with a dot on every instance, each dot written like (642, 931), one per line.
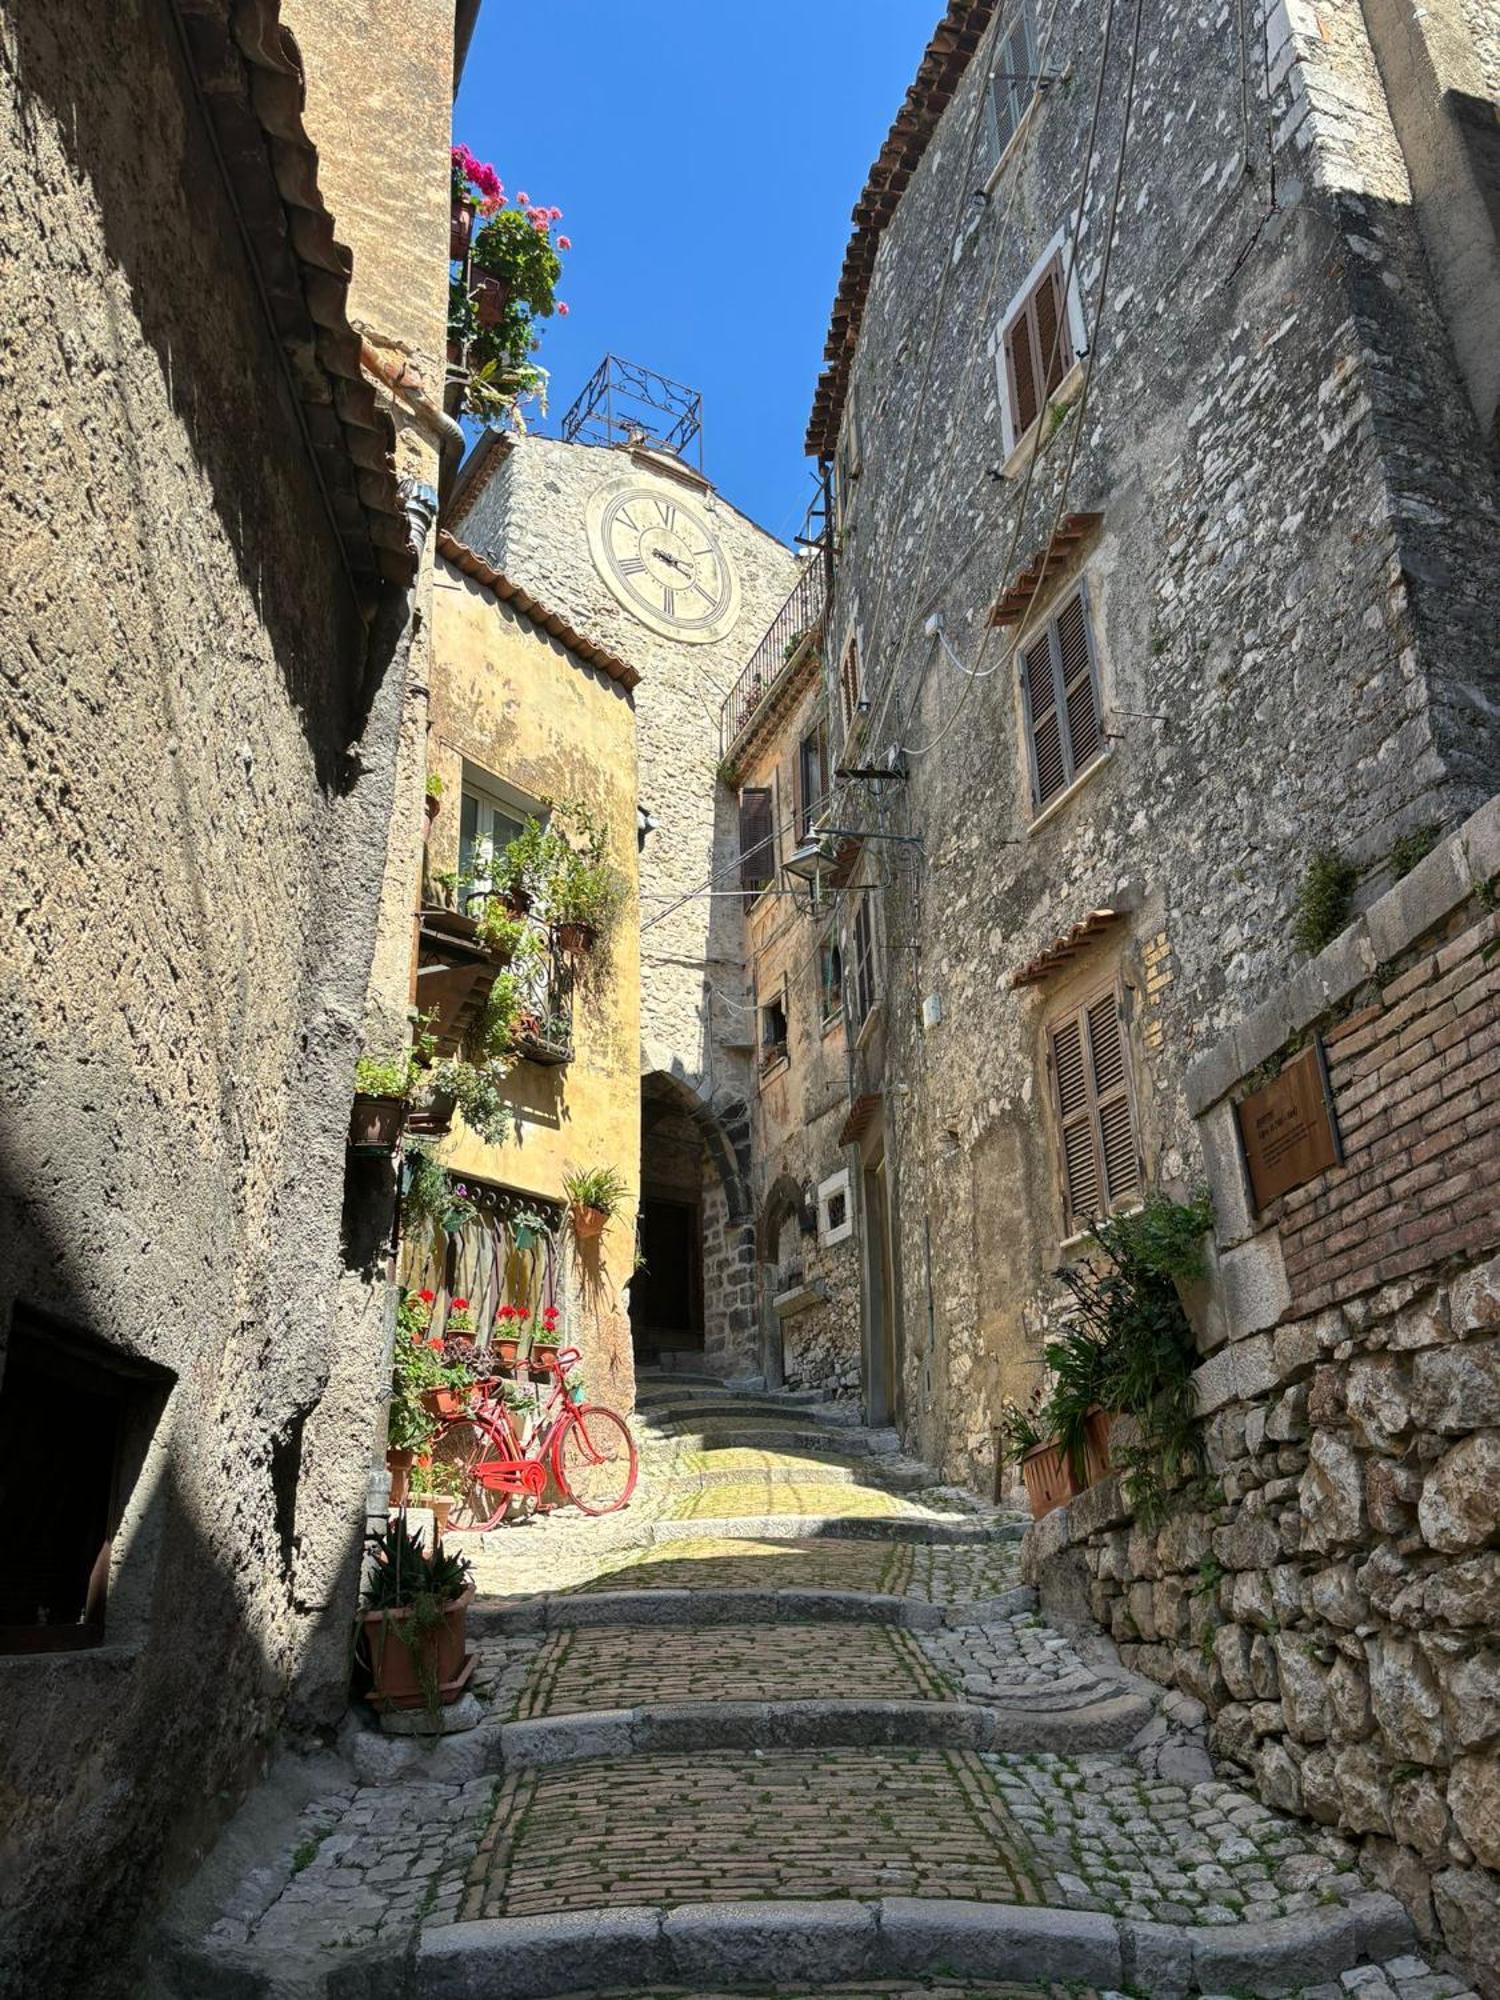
(409, 1425)
(382, 1088)
(414, 1621)
(505, 1342)
(583, 891)
(544, 1347)
(594, 1193)
(433, 796)
(437, 1483)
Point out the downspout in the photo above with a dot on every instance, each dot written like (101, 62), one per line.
(406, 382)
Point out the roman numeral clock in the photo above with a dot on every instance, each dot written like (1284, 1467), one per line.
(661, 558)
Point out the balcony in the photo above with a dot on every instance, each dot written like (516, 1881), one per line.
(456, 973)
(778, 671)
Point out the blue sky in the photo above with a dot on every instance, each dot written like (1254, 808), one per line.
(705, 155)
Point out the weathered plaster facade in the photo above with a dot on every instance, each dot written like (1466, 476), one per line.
(1291, 593)
(516, 706)
(201, 761)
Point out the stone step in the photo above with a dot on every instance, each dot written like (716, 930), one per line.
(889, 1476)
(779, 1437)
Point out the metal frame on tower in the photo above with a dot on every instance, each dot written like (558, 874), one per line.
(623, 403)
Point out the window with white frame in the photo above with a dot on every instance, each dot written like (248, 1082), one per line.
(491, 814)
(835, 1210)
(1013, 84)
(1041, 337)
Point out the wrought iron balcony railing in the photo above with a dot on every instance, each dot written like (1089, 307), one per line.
(793, 632)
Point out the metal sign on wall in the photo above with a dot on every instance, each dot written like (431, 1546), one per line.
(1288, 1130)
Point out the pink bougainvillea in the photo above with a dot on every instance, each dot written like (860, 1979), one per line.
(477, 177)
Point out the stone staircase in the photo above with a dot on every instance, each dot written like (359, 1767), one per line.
(795, 1744)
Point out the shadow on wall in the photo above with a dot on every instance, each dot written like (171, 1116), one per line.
(138, 195)
(139, 1692)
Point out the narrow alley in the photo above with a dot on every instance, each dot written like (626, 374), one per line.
(793, 1716)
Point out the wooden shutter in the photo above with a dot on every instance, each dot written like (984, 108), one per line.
(1075, 660)
(1044, 721)
(864, 959)
(757, 857)
(1020, 368)
(812, 777)
(1054, 349)
(849, 682)
(1101, 1165)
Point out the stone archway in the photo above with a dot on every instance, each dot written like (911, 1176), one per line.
(693, 1303)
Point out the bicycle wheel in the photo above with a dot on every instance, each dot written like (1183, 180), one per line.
(474, 1448)
(593, 1459)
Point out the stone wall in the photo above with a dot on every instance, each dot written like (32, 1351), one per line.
(1333, 1599)
(1292, 592)
(198, 748)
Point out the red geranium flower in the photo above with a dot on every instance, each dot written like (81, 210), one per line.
(506, 1312)
(428, 1298)
(458, 1305)
(436, 1343)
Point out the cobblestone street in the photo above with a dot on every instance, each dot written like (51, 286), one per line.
(817, 1742)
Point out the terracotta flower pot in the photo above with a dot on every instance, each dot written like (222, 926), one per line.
(588, 1222)
(442, 1506)
(504, 1347)
(1097, 1460)
(460, 228)
(491, 296)
(518, 902)
(376, 1124)
(397, 1684)
(398, 1465)
(445, 1402)
(576, 938)
(544, 1354)
(1048, 1477)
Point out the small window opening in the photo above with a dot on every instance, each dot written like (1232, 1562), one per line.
(773, 1032)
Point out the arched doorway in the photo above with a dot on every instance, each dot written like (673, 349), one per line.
(692, 1298)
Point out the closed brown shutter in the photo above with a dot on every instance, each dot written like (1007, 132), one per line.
(1060, 685)
(1100, 1157)
(757, 844)
(1080, 694)
(849, 681)
(1117, 1147)
(1049, 764)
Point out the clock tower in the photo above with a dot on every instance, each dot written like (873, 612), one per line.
(638, 550)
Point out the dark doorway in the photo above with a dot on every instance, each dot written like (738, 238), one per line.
(666, 1297)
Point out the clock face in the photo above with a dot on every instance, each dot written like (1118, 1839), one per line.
(660, 556)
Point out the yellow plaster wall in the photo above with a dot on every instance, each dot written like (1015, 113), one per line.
(512, 701)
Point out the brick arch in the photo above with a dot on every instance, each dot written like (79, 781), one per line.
(784, 1198)
(724, 1130)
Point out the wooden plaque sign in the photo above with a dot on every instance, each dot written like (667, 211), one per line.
(1287, 1129)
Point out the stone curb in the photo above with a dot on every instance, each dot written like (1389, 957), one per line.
(829, 1527)
(824, 1472)
(554, 1610)
(706, 1945)
(781, 1437)
(672, 1728)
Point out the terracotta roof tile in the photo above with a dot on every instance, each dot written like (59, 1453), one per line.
(1063, 947)
(474, 565)
(248, 73)
(939, 74)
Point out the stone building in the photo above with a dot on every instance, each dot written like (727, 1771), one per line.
(1160, 427)
(212, 580)
(527, 716)
(598, 532)
(775, 731)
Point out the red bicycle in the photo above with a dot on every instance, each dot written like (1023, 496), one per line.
(587, 1449)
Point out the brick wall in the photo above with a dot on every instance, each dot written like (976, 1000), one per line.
(1416, 1082)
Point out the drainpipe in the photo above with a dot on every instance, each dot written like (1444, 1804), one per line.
(404, 381)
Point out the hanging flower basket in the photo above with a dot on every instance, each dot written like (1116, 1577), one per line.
(576, 939)
(491, 297)
(448, 1403)
(588, 1222)
(376, 1124)
(505, 1347)
(460, 228)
